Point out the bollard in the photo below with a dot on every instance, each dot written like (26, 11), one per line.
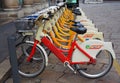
(13, 59)
(49, 3)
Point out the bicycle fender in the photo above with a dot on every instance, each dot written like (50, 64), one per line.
(92, 47)
(46, 57)
(93, 35)
(109, 46)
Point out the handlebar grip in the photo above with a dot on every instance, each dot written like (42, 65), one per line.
(45, 18)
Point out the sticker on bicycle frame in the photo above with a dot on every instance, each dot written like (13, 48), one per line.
(93, 46)
(88, 36)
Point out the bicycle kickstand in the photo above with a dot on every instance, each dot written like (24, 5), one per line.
(66, 63)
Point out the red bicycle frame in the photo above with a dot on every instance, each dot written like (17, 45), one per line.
(59, 52)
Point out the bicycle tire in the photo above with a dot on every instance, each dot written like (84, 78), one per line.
(102, 61)
(34, 67)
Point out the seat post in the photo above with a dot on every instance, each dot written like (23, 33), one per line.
(75, 38)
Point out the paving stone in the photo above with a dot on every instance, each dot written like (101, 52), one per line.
(10, 80)
(115, 36)
(50, 75)
(116, 43)
(117, 50)
(51, 57)
(60, 68)
(118, 56)
(50, 81)
(46, 77)
(111, 77)
(31, 80)
(72, 78)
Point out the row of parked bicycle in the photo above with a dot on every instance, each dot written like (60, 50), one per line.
(69, 35)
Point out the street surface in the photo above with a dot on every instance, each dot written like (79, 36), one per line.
(106, 17)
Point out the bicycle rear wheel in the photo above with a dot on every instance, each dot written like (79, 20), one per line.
(34, 67)
(104, 61)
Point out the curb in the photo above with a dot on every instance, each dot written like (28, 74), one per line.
(4, 70)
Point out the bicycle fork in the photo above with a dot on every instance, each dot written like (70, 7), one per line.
(29, 58)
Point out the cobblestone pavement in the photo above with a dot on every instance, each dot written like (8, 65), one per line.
(106, 16)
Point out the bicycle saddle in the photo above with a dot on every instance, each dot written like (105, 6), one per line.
(76, 12)
(78, 24)
(79, 30)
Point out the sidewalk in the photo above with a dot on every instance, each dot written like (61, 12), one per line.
(106, 16)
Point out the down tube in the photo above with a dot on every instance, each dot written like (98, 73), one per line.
(54, 49)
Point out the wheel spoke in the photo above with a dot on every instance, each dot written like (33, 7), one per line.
(33, 68)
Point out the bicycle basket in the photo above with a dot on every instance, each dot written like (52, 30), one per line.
(23, 24)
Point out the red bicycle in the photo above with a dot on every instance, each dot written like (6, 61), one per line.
(92, 58)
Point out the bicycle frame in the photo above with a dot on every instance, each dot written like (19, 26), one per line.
(59, 54)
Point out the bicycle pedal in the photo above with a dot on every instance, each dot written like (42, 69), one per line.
(82, 69)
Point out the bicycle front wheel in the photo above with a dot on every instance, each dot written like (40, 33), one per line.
(34, 67)
(104, 61)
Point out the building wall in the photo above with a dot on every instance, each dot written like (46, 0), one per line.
(20, 8)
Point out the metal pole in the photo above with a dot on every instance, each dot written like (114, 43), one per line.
(13, 59)
(49, 2)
